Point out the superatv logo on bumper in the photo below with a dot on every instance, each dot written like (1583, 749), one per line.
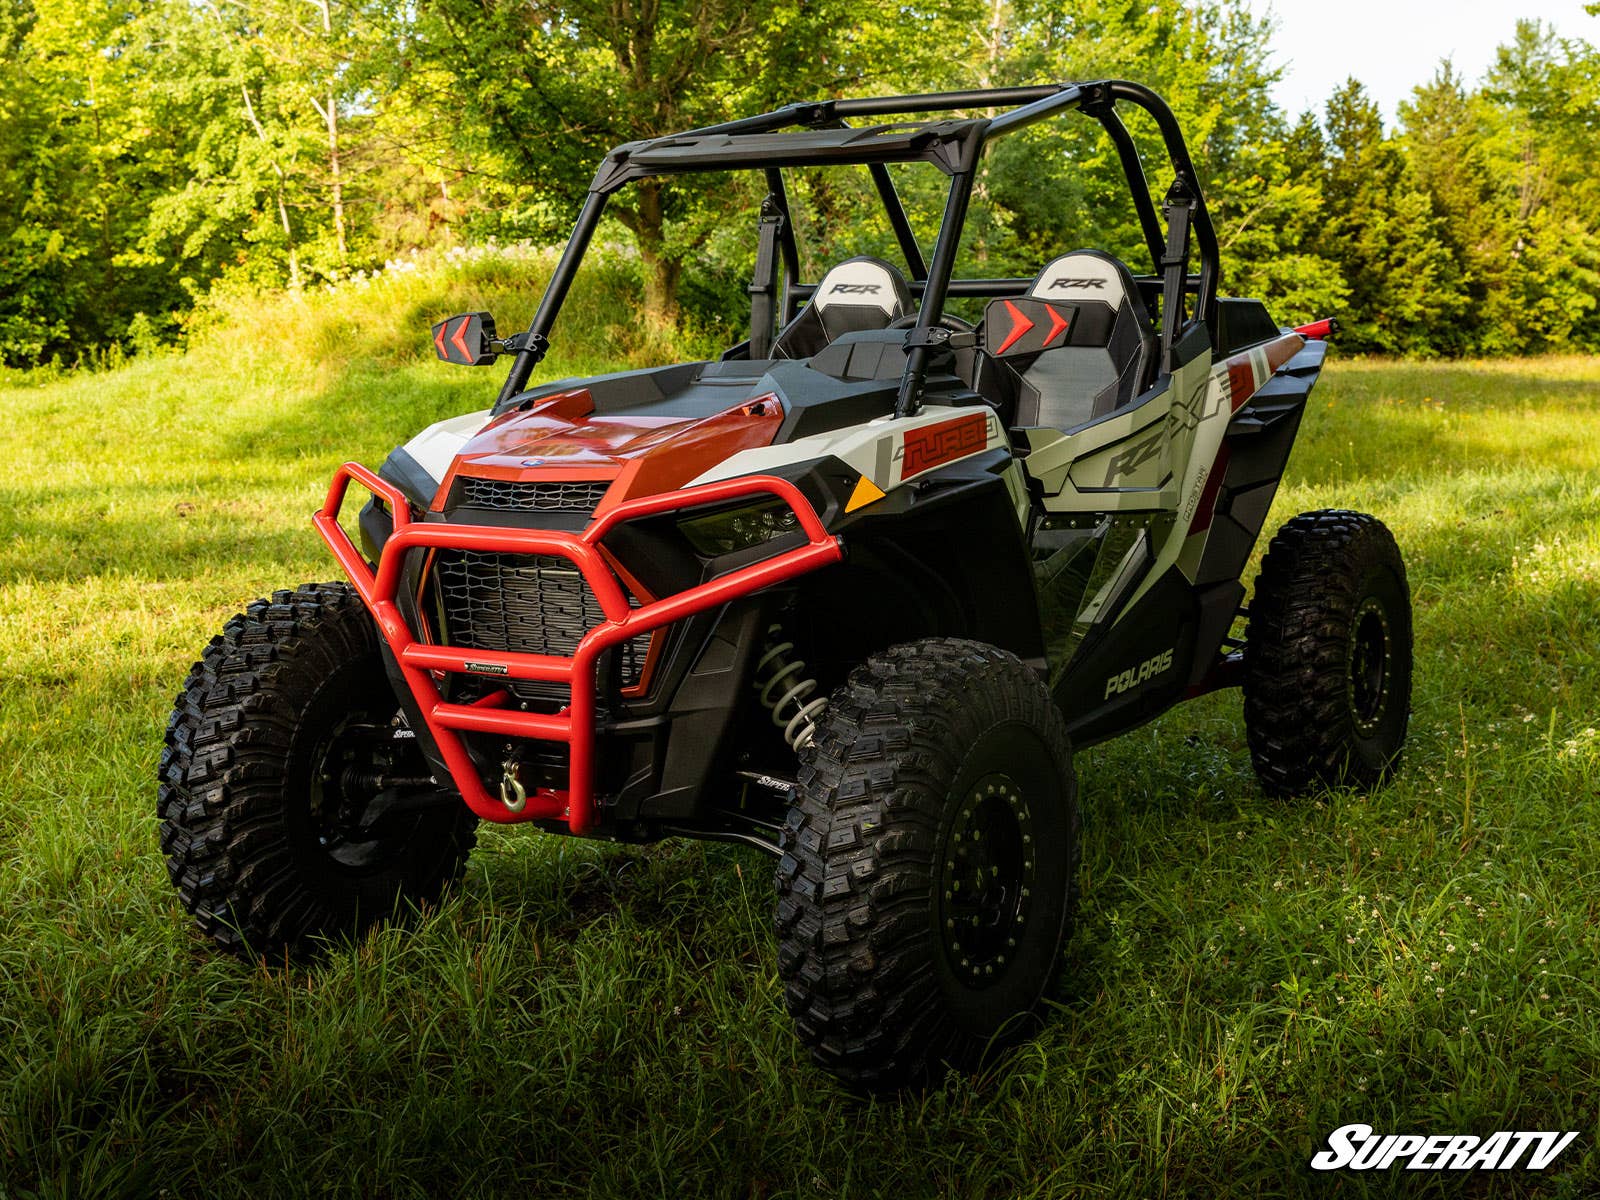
(1358, 1148)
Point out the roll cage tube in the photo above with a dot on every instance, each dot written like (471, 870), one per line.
(825, 138)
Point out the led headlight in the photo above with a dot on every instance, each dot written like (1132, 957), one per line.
(739, 528)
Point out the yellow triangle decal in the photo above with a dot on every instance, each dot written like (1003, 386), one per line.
(866, 492)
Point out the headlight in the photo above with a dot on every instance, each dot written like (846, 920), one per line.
(739, 528)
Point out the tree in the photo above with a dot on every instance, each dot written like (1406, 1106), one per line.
(548, 89)
(1384, 234)
(1443, 139)
(85, 149)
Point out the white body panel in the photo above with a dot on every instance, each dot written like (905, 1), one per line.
(876, 449)
(436, 447)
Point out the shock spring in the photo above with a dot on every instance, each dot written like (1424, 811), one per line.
(786, 691)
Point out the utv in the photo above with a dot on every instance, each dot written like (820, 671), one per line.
(852, 593)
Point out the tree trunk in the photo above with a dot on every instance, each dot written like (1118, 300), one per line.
(661, 268)
(330, 117)
(337, 181)
(288, 237)
(283, 210)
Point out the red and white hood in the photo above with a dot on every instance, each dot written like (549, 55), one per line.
(562, 438)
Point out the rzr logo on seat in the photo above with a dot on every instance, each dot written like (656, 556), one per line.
(856, 289)
(1067, 281)
(1133, 676)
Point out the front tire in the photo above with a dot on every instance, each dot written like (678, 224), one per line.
(925, 888)
(1327, 683)
(294, 806)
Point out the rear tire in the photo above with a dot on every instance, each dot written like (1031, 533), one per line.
(266, 792)
(925, 888)
(1327, 683)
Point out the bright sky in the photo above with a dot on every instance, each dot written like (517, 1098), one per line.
(1393, 45)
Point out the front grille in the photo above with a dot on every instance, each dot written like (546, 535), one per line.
(582, 495)
(523, 604)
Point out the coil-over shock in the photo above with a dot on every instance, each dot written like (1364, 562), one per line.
(786, 691)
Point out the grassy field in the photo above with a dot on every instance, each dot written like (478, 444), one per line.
(584, 1020)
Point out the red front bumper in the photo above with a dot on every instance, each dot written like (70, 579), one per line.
(574, 724)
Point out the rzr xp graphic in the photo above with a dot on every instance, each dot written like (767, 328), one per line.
(853, 593)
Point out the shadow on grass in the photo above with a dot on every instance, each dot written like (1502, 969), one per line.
(138, 529)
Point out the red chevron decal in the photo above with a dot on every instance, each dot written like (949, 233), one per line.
(438, 340)
(1019, 326)
(455, 340)
(1058, 324)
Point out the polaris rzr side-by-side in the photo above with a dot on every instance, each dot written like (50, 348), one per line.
(853, 593)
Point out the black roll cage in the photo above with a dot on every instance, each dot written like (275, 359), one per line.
(955, 147)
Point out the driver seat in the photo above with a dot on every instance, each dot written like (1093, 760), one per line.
(859, 294)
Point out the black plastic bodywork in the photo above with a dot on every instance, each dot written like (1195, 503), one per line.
(957, 552)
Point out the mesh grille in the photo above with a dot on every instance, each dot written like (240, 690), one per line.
(581, 495)
(523, 604)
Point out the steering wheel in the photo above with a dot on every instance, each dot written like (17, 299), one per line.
(953, 324)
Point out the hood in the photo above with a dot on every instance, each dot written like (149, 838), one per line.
(563, 438)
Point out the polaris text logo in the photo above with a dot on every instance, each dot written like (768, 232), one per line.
(855, 289)
(1134, 676)
(1067, 281)
(1357, 1148)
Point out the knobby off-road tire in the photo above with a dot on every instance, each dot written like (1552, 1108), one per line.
(925, 886)
(260, 818)
(1327, 682)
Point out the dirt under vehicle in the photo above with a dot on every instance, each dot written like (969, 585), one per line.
(853, 593)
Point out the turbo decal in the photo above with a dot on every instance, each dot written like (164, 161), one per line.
(935, 445)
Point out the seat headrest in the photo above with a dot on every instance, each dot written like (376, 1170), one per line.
(1085, 275)
(861, 283)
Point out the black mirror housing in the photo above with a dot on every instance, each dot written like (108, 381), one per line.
(466, 339)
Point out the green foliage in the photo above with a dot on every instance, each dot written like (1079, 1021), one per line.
(153, 151)
(582, 1019)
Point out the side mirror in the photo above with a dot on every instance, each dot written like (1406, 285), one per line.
(466, 339)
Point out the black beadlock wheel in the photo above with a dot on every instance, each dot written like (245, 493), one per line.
(925, 886)
(1327, 683)
(294, 803)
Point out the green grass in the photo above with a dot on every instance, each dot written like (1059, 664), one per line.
(587, 1020)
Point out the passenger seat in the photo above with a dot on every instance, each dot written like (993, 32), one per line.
(1080, 345)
